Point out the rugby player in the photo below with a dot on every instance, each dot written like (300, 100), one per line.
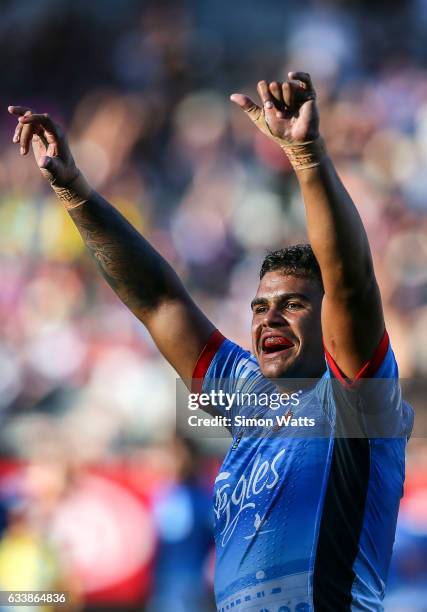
(301, 522)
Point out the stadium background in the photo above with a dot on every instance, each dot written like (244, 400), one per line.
(96, 495)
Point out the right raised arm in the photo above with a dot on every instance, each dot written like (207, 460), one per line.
(139, 275)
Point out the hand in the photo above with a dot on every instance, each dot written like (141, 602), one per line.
(289, 114)
(50, 147)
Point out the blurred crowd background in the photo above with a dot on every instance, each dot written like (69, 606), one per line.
(97, 495)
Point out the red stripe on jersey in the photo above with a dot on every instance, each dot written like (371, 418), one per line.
(369, 369)
(205, 359)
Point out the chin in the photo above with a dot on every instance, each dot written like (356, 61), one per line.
(278, 368)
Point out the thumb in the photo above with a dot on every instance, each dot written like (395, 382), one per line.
(251, 109)
(255, 114)
(50, 168)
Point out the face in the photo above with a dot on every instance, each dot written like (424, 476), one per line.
(286, 328)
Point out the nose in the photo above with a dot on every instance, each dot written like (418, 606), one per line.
(273, 318)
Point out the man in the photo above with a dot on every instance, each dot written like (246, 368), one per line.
(302, 522)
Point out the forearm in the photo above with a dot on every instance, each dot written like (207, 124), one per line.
(335, 230)
(132, 267)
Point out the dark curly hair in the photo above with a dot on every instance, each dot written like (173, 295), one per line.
(297, 260)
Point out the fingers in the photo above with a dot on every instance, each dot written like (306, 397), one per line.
(39, 127)
(18, 110)
(47, 130)
(265, 95)
(298, 89)
(289, 89)
(276, 92)
(279, 103)
(25, 135)
(26, 116)
(269, 105)
(305, 90)
(39, 147)
(42, 120)
(304, 77)
(25, 131)
(49, 144)
(17, 134)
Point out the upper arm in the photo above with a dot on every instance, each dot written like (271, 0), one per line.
(180, 331)
(352, 326)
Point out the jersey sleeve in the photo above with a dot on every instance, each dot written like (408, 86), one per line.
(224, 366)
(221, 362)
(371, 403)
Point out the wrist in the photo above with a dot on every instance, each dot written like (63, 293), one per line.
(76, 193)
(305, 155)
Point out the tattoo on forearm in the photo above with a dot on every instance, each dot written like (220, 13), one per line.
(131, 266)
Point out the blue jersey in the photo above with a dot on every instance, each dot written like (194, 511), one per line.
(305, 522)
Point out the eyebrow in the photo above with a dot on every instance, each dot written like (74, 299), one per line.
(260, 301)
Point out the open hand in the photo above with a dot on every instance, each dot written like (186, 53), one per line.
(50, 147)
(289, 113)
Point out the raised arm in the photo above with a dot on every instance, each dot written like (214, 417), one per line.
(352, 318)
(142, 279)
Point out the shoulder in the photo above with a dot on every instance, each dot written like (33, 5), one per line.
(223, 360)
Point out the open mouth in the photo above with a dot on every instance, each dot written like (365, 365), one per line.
(273, 345)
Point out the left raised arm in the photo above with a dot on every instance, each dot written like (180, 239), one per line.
(352, 317)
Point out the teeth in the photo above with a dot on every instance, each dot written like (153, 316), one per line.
(275, 341)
